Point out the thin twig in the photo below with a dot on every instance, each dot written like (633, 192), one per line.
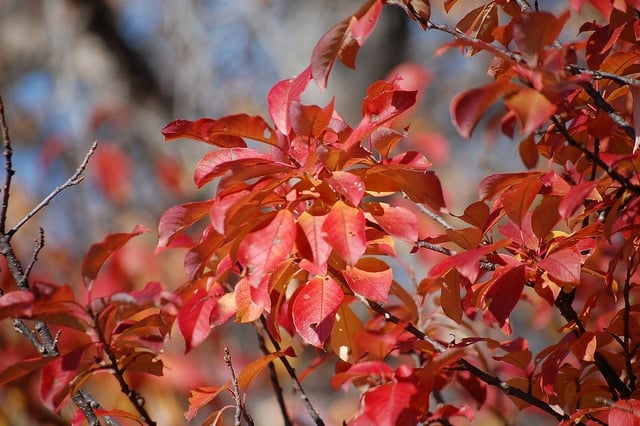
(38, 246)
(85, 402)
(467, 366)
(134, 397)
(75, 179)
(294, 377)
(599, 75)
(8, 167)
(611, 112)
(626, 317)
(273, 377)
(241, 410)
(624, 182)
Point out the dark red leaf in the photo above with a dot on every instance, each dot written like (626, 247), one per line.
(16, 304)
(468, 107)
(193, 318)
(503, 292)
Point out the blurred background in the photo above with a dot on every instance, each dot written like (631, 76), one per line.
(117, 71)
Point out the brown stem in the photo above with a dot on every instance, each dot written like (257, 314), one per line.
(273, 377)
(294, 377)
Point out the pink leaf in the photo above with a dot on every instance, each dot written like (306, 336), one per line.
(383, 405)
(221, 161)
(348, 185)
(320, 249)
(468, 107)
(398, 221)
(575, 198)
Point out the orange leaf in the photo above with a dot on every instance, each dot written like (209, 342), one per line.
(370, 278)
(517, 199)
(249, 372)
(531, 108)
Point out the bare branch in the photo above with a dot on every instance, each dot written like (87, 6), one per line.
(39, 245)
(241, 410)
(294, 377)
(8, 155)
(273, 377)
(75, 179)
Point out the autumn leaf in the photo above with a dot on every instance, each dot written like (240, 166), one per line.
(226, 132)
(282, 95)
(531, 108)
(344, 230)
(503, 292)
(98, 253)
(319, 249)
(179, 217)
(193, 318)
(343, 41)
(267, 245)
(314, 307)
(563, 265)
(398, 221)
(469, 107)
(370, 278)
(382, 405)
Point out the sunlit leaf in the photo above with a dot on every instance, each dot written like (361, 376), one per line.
(398, 221)
(225, 132)
(518, 198)
(314, 308)
(370, 278)
(344, 229)
(193, 319)
(343, 334)
(249, 372)
(201, 397)
(319, 248)
(363, 369)
(347, 185)
(282, 95)
(267, 245)
(383, 405)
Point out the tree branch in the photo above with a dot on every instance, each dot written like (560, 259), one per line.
(240, 410)
(294, 377)
(273, 377)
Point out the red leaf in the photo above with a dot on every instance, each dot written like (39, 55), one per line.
(193, 319)
(266, 246)
(22, 368)
(384, 102)
(98, 253)
(218, 162)
(56, 377)
(370, 278)
(282, 95)
(517, 199)
(314, 307)
(563, 265)
(531, 108)
(201, 397)
(344, 229)
(495, 184)
(468, 107)
(310, 120)
(249, 372)
(226, 132)
(16, 303)
(398, 221)
(466, 263)
(364, 369)
(343, 41)
(411, 160)
(251, 301)
(320, 249)
(179, 217)
(383, 405)
(575, 198)
(625, 413)
(504, 291)
(348, 185)
(533, 31)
